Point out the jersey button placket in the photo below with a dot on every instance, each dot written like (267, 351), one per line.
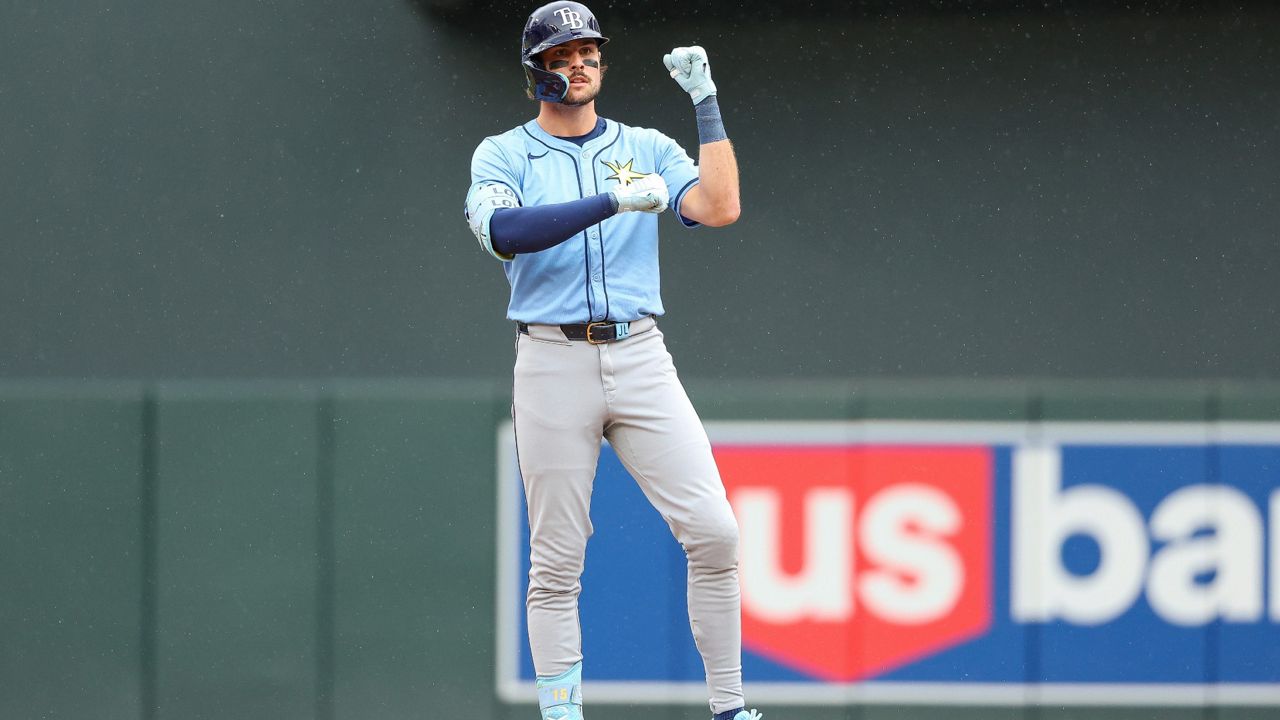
(595, 253)
(596, 273)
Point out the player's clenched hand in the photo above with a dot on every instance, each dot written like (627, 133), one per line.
(691, 69)
(648, 194)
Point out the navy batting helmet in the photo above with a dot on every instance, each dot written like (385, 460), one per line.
(548, 26)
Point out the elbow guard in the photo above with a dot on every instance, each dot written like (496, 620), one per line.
(482, 202)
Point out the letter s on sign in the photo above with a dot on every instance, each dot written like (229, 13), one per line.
(919, 575)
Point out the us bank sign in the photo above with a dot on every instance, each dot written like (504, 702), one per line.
(943, 563)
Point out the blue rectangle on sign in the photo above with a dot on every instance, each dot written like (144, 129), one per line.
(1119, 563)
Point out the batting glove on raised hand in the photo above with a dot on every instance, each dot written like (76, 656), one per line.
(690, 68)
(648, 194)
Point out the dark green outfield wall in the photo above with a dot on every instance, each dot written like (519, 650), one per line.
(246, 551)
(327, 552)
(274, 188)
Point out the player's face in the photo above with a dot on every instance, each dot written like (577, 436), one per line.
(578, 60)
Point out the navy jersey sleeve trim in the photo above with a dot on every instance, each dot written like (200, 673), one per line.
(680, 199)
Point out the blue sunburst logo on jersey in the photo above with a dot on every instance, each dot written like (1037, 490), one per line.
(622, 172)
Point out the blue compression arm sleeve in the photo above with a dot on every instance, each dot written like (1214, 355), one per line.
(530, 229)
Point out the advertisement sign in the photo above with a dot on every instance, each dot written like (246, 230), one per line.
(943, 563)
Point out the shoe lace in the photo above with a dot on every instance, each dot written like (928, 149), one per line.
(754, 715)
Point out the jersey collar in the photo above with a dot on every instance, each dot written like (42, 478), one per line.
(610, 130)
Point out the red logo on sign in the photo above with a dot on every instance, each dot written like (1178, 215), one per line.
(858, 560)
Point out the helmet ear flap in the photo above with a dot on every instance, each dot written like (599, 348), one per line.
(544, 85)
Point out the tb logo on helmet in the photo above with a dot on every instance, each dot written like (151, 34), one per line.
(572, 20)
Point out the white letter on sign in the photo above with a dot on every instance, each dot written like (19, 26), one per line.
(919, 576)
(822, 589)
(1044, 516)
(1233, 553)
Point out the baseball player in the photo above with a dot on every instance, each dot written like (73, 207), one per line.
(569, 203)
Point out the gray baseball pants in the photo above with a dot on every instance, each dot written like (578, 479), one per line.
(567, 396)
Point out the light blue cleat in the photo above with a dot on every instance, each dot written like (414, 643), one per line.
(748, 715)
(560, 697)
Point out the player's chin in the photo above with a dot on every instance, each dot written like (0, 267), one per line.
(581, 95)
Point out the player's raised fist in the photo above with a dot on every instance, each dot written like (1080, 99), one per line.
(648, 194)
(691, 69)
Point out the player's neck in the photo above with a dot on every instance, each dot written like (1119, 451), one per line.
(566, 120)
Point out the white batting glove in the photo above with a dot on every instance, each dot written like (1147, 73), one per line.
(690, 68)
(648, 194)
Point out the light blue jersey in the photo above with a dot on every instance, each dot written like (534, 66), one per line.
(610, 270)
